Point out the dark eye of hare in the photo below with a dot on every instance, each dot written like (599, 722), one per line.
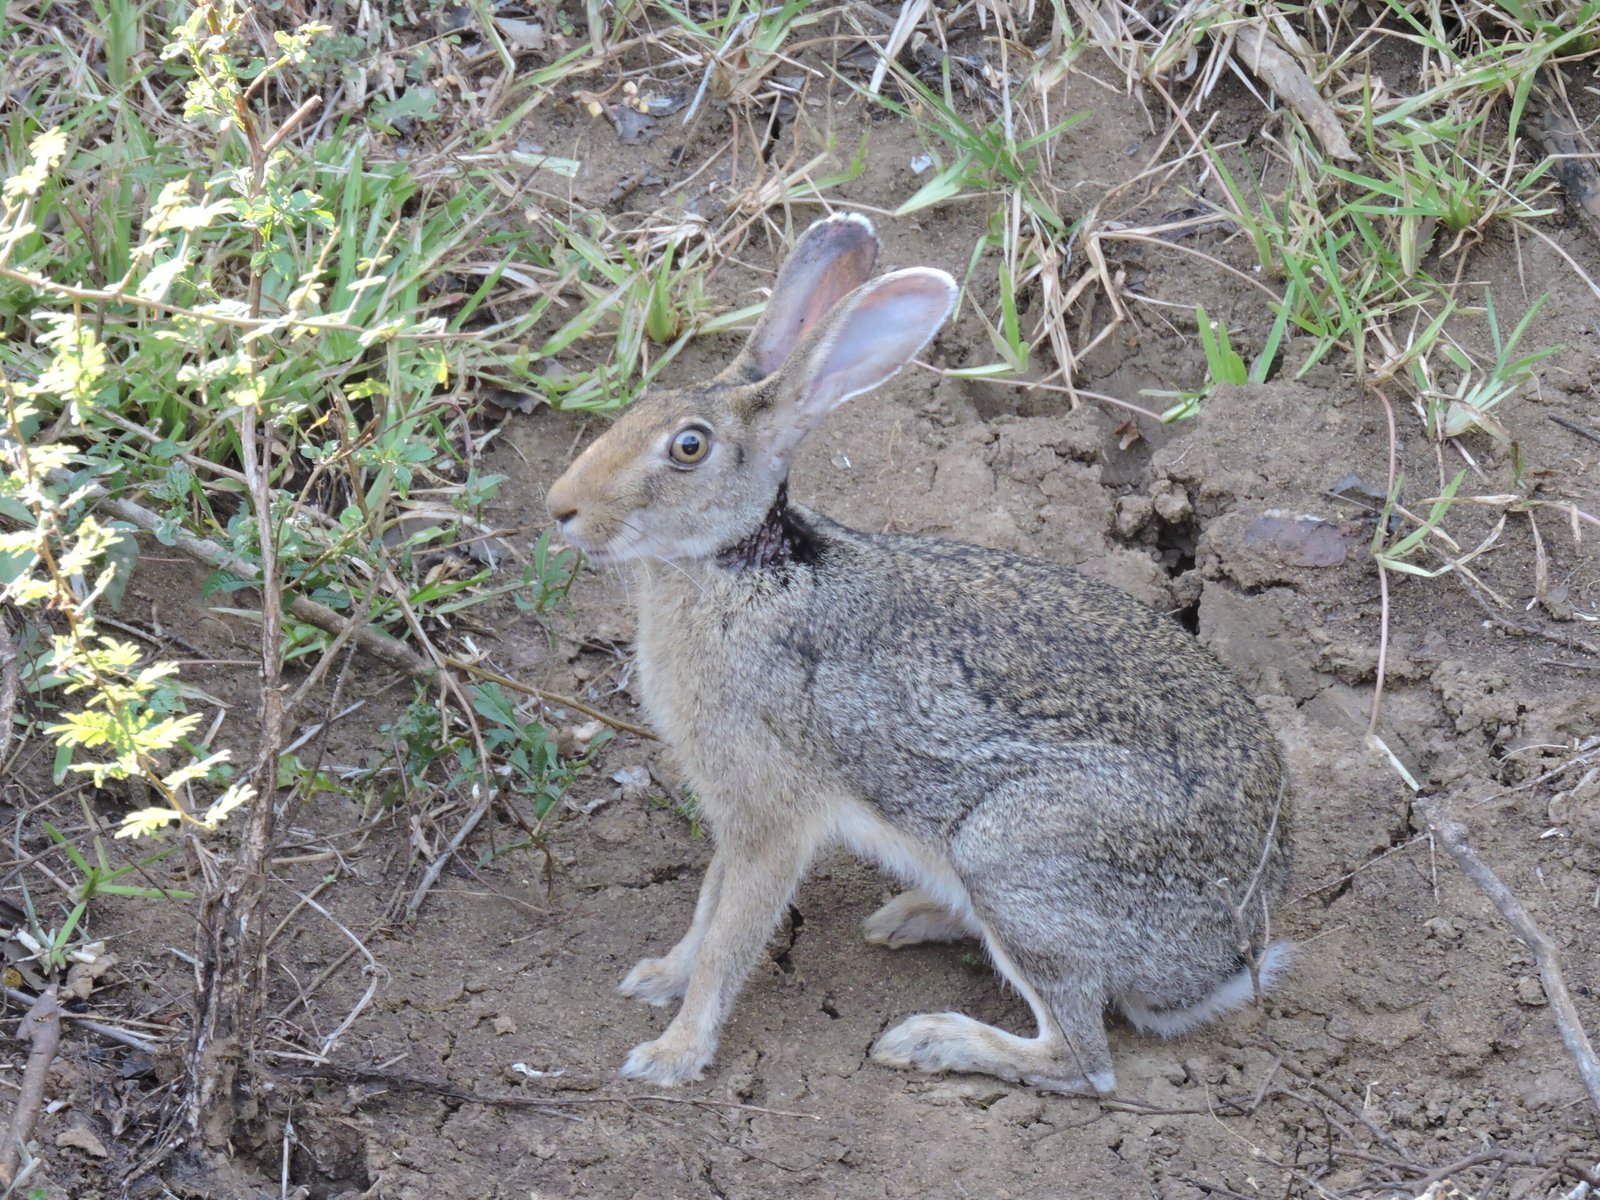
(690, 445)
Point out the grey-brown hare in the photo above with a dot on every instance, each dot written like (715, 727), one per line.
(1050, 766)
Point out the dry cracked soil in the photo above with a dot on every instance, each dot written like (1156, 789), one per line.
(1411, 1032)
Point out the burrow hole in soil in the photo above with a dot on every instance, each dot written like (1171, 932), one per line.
(339, 1169)
(1174, 549)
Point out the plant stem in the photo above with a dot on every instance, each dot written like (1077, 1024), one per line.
(1453, 837)
(228, 984)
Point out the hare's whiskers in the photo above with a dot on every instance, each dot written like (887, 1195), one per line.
(646, 538)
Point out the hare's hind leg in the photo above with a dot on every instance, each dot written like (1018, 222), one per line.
(914, 917)
(1069, 1053)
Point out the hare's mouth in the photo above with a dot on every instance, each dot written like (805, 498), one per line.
(636, 542)
(597, 556)
(620, 547)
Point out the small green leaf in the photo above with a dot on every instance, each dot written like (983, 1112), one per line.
(946, 185)
(415, 104)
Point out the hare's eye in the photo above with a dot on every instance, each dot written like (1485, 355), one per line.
(690, 445)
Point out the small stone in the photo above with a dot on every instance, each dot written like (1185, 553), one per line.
(1173, 506)
(504, 1025)
(1530, 992)
(1442, 928)
(81, 1137)
(1133, 513)
(1201, 1068)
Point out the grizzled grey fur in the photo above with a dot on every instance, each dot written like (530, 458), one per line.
(1053, 768)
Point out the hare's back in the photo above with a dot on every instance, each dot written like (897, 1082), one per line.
(1037, 640)
(964, 666)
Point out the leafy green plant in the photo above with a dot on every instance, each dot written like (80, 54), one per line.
(61, 559)
(517, 749)
(326, 335)
(983, 159)
(1352, 248)
(745, 39)
(1026, 230)
(1223, 366)
(527, 756)
(1478, 391)
(548, 576)
(55, 946)
(1395, 552)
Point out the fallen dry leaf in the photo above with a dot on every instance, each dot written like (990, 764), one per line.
(81, 1137)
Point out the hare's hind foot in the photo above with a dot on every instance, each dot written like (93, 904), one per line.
(937, 1042)
(1070, 1053)
(913, 917)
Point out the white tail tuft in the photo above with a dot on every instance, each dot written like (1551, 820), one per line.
(1236, 993)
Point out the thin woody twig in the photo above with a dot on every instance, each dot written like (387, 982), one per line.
(298, 115)
(1383, 578)
(436, 868)
(41, 1027)
(1453, 837)
(1254, 951)
(109, 1032)
(1327, 1093)
(1282, 72)
(1575, 428)
(377, 644)
(551, 697)
(229, 956)
(10, 685)
(428, 1087)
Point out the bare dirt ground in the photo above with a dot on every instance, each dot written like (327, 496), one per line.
(1409, 1044)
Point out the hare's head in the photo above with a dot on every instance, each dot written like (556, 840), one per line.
(690, 471)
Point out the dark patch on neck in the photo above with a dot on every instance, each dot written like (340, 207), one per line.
(780, 539)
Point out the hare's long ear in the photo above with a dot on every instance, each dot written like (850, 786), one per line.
(831, 259)
(865, 341)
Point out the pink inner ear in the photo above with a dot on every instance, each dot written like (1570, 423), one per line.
(832, 259)
(883, 330)
(791, 323)
(866, 340)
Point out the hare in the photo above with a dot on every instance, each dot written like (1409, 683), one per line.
(1051, 767)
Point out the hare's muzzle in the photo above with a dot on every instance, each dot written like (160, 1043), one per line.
(576, 515)
(561, 500)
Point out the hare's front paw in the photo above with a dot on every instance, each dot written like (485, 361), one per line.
(671, 1059)
(655, 981)
(910, 918)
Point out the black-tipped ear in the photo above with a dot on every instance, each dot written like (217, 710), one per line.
(831, 259)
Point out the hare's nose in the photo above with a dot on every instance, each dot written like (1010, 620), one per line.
(561, 501)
